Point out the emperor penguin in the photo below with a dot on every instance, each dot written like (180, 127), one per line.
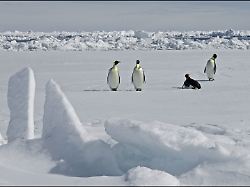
(138, 76)
(210, 68)
(189, 82)
(113, 78)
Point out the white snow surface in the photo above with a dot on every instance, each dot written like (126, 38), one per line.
(66, 139)
(2, 141)
(60, 120)
(162, 146)
(124, 40)
(21, 95)
(142, 176)
(86, 134)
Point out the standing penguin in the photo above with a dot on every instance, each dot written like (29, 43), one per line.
(113, 78)
(210, 68)
(138, 76)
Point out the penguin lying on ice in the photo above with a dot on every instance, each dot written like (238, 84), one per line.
(113, 78)
(138, 76)
(191, 83)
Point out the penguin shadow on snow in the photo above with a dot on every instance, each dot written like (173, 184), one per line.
(204, 80)
(199, 80)
(184, 88)
(180, 87)
(107, 90)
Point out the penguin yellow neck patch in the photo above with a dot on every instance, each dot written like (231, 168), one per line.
(115, 68)
(138, 66)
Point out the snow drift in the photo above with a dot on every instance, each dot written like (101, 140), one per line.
(161, 146)
(142, 176)
(21, 95)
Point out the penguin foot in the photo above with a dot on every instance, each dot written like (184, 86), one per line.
(114, 89)
(211, 79)
(138, 89)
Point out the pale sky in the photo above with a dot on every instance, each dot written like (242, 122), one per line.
(80, 16)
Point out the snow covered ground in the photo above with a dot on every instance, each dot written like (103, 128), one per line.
(86, 134)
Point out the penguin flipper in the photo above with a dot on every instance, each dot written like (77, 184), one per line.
(214, 68)
(108, 75)
(144, 77)
(119, 79)
(205, 69)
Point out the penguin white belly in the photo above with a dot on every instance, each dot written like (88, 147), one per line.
(210, 70)
(138, 78)
(113, 79)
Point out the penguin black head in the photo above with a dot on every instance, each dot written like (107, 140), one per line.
(137, 61)
(116, 62)
(187, 76)
(214, 56)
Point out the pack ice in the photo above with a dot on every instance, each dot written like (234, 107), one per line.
(21, 95)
